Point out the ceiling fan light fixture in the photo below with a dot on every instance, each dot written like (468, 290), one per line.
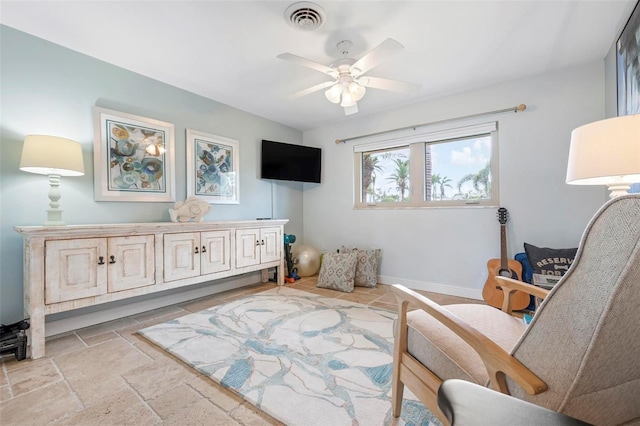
(356, 91)
(333, 93)
(347, 99)
(349, 85)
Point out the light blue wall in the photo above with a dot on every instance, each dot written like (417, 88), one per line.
(48, 89)
(446, 249)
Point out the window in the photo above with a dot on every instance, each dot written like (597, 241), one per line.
(385, 176)
(451, 167)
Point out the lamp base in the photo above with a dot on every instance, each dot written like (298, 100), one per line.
(618, 189)
(54, 218)
(54, 213)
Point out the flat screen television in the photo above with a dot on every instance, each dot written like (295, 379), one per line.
(285, 161)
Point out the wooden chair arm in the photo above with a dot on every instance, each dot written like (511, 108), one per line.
(509, 286)
(510, 283)
(497, 361)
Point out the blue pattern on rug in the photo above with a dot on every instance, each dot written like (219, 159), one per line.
(380, 374)
(303, 358)
(237, 374)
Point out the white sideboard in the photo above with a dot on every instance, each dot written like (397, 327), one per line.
(71, 267)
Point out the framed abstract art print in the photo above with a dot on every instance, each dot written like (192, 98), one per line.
(628, 66)
(212, 168)
(133, 158)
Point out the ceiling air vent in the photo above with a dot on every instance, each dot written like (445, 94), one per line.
(305, 16)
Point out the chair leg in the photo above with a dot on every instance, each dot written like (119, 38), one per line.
(399, 348)
(397, 392)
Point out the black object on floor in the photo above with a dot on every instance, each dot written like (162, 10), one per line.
(13, 339)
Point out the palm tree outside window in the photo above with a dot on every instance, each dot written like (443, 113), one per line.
(454, 171)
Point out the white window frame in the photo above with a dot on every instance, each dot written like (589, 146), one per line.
(416, 143)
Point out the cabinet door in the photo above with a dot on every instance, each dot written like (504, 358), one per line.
(181, 255)
(270, 245)
(75, 269)
(247, 247)
(131, 262)
(215, 251)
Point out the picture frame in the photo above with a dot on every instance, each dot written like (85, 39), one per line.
(628, 66)
(133, 158)
(213, 168)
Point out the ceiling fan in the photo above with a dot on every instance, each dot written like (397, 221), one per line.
(348, 84)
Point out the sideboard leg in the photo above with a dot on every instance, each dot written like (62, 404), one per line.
(35, 335)
(281, 272)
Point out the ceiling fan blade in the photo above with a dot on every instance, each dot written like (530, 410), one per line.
(308, 63)
(312, 89)
(377, 54)
(386, 84)
(351, 109)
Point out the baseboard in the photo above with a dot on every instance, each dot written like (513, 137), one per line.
(434, 287)
(115, 310)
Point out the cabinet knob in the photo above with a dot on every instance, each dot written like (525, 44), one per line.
(101, 260)
(257, 242)
(262, 242)
(197, 250)
(204, 249)
(113, 259)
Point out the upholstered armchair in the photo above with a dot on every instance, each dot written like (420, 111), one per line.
(579, 356)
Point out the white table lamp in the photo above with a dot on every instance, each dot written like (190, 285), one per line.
(606, 152)
(53, 156)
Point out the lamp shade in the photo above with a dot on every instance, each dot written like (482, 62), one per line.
(605, 152)
(51, 155)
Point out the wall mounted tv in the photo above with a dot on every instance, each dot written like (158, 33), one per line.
(284, 161)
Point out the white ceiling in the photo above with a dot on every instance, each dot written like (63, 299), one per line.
(226, 50)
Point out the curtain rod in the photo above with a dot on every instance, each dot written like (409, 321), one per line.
(518, 108)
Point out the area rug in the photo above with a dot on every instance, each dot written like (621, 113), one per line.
(300, 357)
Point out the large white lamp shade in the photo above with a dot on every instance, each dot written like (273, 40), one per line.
(55, 157)
(606, 152)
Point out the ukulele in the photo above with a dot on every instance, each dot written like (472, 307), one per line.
(492, 292)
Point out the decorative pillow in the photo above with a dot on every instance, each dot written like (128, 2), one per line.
(547, 261)
(367, 266)
(338, 271)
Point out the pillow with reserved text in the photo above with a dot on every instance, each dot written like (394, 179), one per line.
(548, 261)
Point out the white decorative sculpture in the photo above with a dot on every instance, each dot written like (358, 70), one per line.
(191, 208)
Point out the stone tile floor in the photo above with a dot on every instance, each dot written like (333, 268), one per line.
(108, 375)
